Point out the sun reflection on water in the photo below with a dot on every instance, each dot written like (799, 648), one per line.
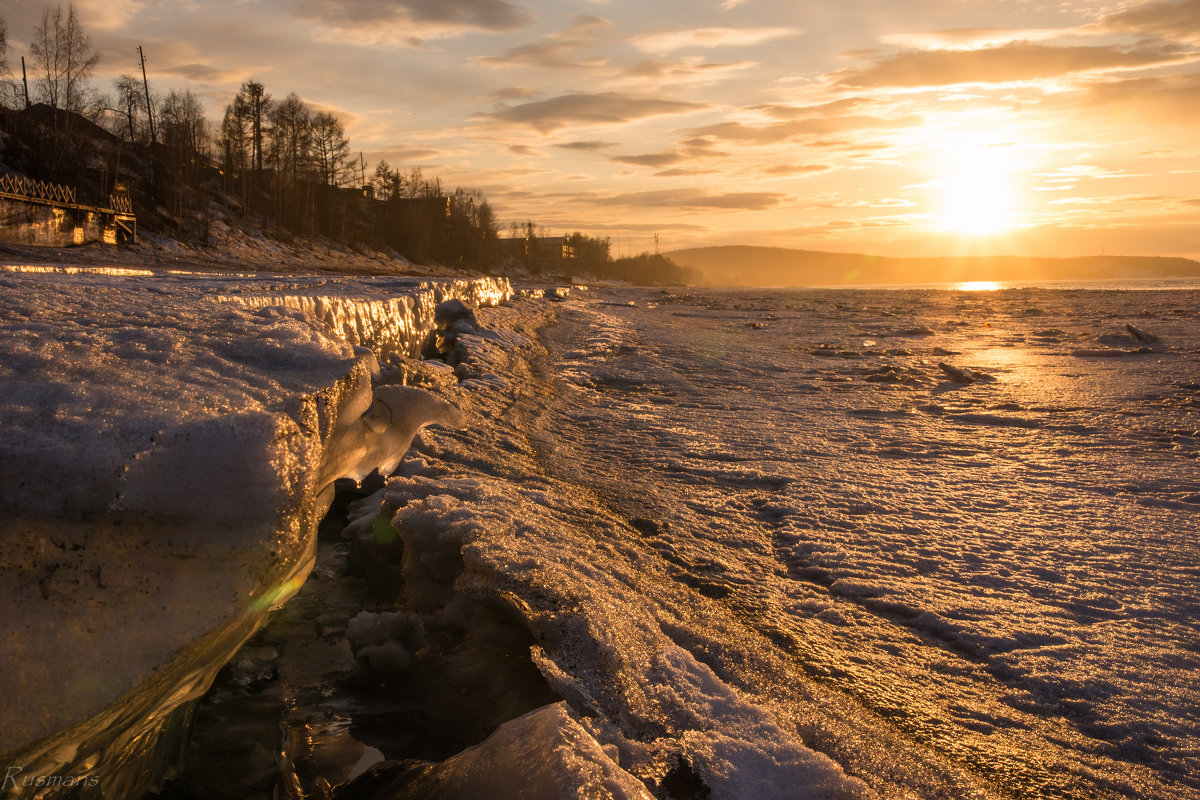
(979, 286)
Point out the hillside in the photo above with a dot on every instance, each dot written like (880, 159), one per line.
(193, 209)
(744, 265)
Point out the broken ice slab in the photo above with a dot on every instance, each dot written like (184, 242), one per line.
(167, 442)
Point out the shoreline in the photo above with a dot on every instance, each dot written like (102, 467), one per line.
(159, 254)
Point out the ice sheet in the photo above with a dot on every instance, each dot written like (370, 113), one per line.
(740, 550)
(169, 444)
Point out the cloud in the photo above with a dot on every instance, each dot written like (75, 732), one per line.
(556, 51)
(592, 146)
(1019, 61)
(971, 38)
(1172, 100)
(1107, 200)
(796, 169)
(405, 155)
(777, 132)
(683, 173)
(587, 23)
(376, 22)
(882, 202)
(687, 69)
(666, 41)
(510, 93)
(695, 199)
(832, 109)
(203, 73)
(702, 147)
(624, 226)
(692, 150)
(651, 159)
(604, 108)
(1177, 21)
(549, 53)
(107, 14)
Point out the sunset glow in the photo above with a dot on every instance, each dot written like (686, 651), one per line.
(1052, 129)
(979, 190)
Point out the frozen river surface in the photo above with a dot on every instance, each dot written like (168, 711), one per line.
(784, 545)
(977, 579)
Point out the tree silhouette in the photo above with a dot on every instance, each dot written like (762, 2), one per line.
(330, 148)
(62, 54)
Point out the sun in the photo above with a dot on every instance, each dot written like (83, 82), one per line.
(978, 182)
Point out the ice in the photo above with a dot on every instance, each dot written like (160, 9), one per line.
(544, 754)
(736, 564)
(385, 642)
(942, 587)
(170, 443)
(377, 439)
(610, 657)
(389, 326)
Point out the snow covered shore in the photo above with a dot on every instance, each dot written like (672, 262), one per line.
(169, 446)
(704, 544)
(820, 544)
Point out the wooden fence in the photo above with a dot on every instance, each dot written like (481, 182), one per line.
(118, 219)
(29, 189)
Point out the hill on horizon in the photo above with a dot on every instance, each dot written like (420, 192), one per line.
(748, 265)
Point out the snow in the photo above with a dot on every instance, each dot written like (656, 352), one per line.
(740, 554)
(170, 443)
(807, 544)
(543, 754)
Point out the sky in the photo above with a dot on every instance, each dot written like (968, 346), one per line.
(925, 127)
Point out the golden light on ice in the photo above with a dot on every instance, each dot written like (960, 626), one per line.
(978, 180)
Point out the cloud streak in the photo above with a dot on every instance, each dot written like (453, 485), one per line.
(696, 199)
(790, 130)
(1018, 61)
(378, 21)
(707, 38)
(557, 51)
(604, 108)
(1173, 21)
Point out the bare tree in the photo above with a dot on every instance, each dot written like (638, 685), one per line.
(330, 148)
(259, 104)
(236, 136)
(62, 53)
(184, 129)
(129, 102)
(291, 138)
(381, 180)
(8, 90)
(388, 182)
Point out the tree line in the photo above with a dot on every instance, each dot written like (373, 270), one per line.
(278, 163)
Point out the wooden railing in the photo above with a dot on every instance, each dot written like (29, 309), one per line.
(117, 217)
(21, 186)
(121, 203)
